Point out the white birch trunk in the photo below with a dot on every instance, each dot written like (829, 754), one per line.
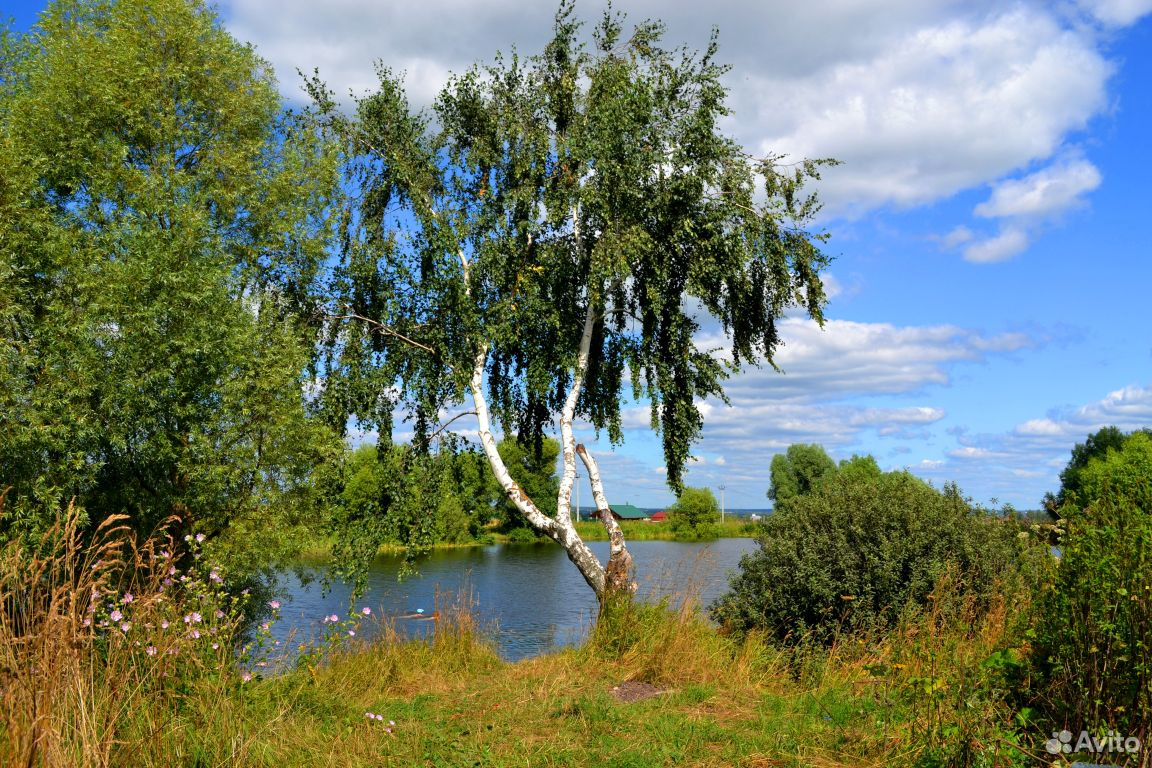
(560, 530)
(618, 573)
(617, 576)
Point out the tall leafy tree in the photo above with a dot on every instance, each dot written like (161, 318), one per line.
(1095, 632)
(547, 243)
(796, 471)
(161, 234)
(1097, 446)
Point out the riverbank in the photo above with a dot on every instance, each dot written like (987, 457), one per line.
(319, 551)
(652, 687)
(109, 663)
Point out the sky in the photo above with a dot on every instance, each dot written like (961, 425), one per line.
(988, 224)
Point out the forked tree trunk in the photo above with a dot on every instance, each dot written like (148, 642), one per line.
(608, 581)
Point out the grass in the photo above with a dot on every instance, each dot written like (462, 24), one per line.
(81, 695)
(723, 702)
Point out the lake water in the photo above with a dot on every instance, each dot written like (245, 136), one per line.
(528, 597)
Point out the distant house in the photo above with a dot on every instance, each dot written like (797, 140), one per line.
(628, 512)
(659, 517)
(619, 511)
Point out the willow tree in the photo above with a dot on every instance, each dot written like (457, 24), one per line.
(545, 244)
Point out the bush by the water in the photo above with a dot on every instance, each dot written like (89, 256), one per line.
(857, 550)
(1095, 634)
(695, 516)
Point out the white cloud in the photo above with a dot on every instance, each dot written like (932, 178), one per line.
(1118, 13)
(848, 358)
(1129, 408)
(1047, 192)
(1025, 461)
(968, 452)
(957, 237)
(920, 98)
(1010, 242)
(952, 105)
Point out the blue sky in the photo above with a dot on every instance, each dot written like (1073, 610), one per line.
(989, 224)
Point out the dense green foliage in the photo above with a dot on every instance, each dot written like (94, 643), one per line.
(534, 468)
(695, 515)
(161, 228)
(859, 549)
(397, 496)
(797, 471)
(1097, 446)
(1095, 637)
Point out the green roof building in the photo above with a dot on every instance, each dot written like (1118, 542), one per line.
(628, 512)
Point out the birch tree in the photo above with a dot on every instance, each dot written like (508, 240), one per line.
(539, 251)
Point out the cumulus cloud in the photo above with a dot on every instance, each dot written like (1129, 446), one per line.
(1010, 242)
(1025, 205)
(1049, 191)
(848, 358)
(1128, 408)
(920, 98)
(828, 394)
(1025, 461)
(955, 104)
(1118, 13)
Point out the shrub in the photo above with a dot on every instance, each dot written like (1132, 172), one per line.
(1095, 634)
(856, 551)
(695, 516)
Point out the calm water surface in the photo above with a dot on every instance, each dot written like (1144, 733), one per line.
(528, 597)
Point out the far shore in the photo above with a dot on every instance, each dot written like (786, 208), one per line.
(320, 550)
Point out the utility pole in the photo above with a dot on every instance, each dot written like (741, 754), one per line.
(721, 504)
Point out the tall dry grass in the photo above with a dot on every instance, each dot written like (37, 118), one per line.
(101, 638)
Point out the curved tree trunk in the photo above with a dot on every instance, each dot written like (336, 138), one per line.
(618, 573)
(605, 582)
